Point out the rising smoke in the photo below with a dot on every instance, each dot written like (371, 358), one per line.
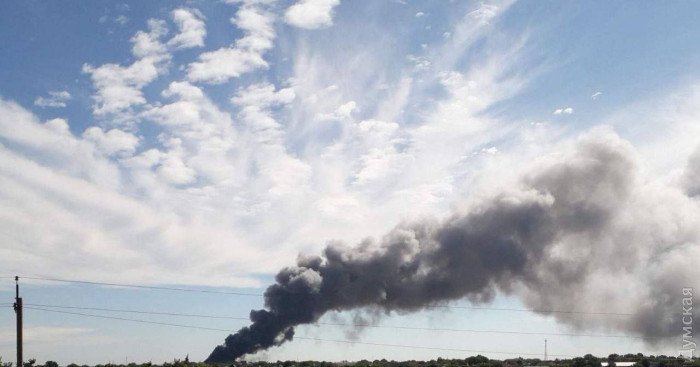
(556, 240)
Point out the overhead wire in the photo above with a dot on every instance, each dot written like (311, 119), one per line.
(296, 337)
(357, 325)
(139, 312)
(126, 285)
(127, 319)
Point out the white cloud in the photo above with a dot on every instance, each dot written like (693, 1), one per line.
(485, 12)
(566, 111)
(113, 141)
(421, 63)
(383, 166)
(311, 14)
(53, 142)
(199, 139)
(172, 168)
(263, 95)
(119, 87)
(198, 201)
(344, 111)
(55, 99)
(467, 31)
(596, 95)
(190, 22)
(653, 122)
(381, 159)
(489, 150)
(65, 199)
(420, 14)
(121, 19)
(148, 44)
(247, 52)
(280, 171)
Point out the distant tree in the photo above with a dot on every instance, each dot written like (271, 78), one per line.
(50, 364)
(587, 361)
(5, 364)
(30, 363)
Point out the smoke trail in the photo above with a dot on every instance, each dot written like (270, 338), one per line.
(556, 240)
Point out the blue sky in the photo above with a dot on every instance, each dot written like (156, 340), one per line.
(206, 144)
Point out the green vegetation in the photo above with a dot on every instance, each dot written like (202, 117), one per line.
(588, 360)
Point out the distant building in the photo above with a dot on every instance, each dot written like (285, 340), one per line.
(618, 364)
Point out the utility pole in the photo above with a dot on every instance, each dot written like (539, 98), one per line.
(545, 349)
(18, 311)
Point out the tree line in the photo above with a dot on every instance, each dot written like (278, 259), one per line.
(588, 360)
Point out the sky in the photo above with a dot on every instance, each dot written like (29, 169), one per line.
(206, 144)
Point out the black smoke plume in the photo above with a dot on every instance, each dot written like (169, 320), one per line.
(557, 239)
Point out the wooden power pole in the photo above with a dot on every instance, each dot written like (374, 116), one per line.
(18, 311)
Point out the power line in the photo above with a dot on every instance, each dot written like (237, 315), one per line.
(125, 285)
(140, 312)
(143, 286)
(344, 324)
(125, 319)
(297, 337)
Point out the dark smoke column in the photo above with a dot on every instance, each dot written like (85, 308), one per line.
(531, 235)
(414, 266)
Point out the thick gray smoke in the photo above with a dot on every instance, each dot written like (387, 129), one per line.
(582, 233)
